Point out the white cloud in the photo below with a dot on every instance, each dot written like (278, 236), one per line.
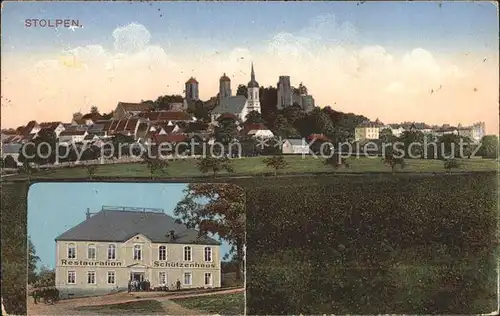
(131, 38)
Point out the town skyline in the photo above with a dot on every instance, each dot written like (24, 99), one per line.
(333, 51)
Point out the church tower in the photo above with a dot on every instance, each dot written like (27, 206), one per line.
(224, 87)
(191, 92)
(253, 94)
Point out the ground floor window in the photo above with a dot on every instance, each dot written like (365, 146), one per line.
(111, 277)
(208, 278)
(91, 277)
(71, 277)
(162, 278)
(188, 278)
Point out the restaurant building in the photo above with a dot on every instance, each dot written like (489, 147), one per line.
(118, 244)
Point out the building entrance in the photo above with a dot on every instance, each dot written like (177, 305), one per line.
(137, 276)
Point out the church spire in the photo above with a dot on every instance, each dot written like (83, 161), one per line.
(253, 83)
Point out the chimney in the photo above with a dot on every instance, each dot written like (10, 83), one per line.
(88, 213)
(172, 235)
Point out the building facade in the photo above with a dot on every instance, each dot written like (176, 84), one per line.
(368, 130)
(112, 247)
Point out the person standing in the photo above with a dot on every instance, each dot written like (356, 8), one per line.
(129, 286)
(178, 284)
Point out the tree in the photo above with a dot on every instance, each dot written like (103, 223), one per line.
(268, 102)
(156, 165)
(451, 163)
(108, 116)
(223, 214)
(386, 135)
(28, 170)
(317, 122)
(412, 137)
(214, 164)
(32, 262)
(226, 131)
(9, 162)
(77, 115)
(253, 117)
(91, 169)
(276, 162)
(94, 110)
(163, 102)
(489, 147)
(392, 161)
(336, 161)
(283, 129)
(46, 277)
(242, 90)
(46, 144)
(200, 112)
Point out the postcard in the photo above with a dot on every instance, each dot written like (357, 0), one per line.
(150, 248)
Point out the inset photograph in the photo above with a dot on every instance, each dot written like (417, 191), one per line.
(136, 248)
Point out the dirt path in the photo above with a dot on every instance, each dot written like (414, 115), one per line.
(67, 307)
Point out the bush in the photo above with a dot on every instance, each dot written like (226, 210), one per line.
(451, 164)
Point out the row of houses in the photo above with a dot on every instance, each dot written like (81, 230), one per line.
(370, 130)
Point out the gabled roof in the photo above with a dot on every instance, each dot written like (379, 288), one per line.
(296, 142)
(11, 148)
(92, 116)
(72, 133)
(247, 128)
(51, 126)
(319, 137)
(119, 226)
(135, 107)
(167, 116)
(9, 132)
(234, 105)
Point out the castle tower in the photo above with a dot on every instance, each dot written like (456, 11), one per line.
(224, 87)
(191, 92)
(253, 93)
(285, 95)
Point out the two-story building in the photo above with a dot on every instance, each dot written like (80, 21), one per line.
(116, 245)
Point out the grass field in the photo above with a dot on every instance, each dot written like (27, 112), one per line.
(146, 307)
(254, 166)
(230, 304)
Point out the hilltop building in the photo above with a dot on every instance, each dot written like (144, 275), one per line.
(118, 244)
(191, 93)
(368, 130)
(285, 93)
(238, 105)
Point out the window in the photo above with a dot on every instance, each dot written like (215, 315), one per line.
(111, 277)
(71, 277)
(162, 253)
(208, 278)
(91, 252)
(208, 254)
(137, 252)
(111, 252)
(91, 277)
(187, 278)
(71, 251)
(187, 253)
(162, 278)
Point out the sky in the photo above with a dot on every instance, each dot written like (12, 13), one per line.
(435, 62)
(54, 208)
